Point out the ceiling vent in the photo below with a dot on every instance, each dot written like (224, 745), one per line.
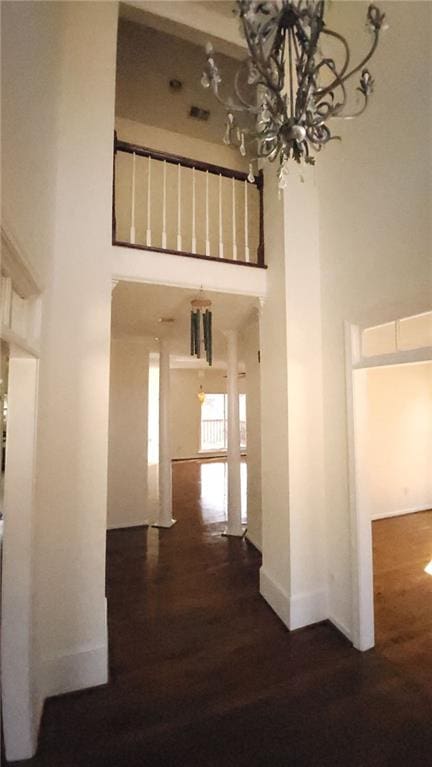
(199, 114)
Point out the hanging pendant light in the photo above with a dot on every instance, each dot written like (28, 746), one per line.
(200, 309)
(287, 90)
(201, 395)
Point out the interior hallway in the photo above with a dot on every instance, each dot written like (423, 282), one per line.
(204, 674)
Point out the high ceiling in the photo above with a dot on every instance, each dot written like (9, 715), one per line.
(137, 309)
(147, 60)
(196, 21)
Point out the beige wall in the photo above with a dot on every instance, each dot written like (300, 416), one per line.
(398, 439)
(186, 408)
(127, 454)
(375, 197)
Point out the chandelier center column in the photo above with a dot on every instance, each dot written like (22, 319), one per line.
(165, 468)
(234, 526)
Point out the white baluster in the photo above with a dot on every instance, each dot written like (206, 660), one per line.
(234, 221)
(132, 223)
(246, 222)
(220, 219)
(164, 210)
(179, 237)
(194, 242)
(148, 234)
(207, 215)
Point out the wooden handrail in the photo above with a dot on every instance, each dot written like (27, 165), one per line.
(186, 162)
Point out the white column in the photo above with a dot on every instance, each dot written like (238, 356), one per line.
(234, 526)
(165, 474)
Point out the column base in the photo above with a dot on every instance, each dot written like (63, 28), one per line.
(227, 533)
(164, 525)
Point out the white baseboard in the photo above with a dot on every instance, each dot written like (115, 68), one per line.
(253, 541)
(401, 512)
(306, 609)
(67, 673)
(297, 611)
(341, 627)
(276, 597)
(121, 525)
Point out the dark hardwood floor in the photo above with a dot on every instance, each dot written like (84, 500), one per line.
(203, 674)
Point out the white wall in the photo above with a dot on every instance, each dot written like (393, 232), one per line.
(294, 574)
(398, 439)
(31, 54)
(374, 190)
(127, 454)
(71, 485)
(186, 408)
(275, 576)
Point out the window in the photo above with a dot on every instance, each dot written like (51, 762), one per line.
(214, 422)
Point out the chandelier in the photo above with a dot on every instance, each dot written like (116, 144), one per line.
(286, 90)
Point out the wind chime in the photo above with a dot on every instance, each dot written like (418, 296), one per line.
(200, 308)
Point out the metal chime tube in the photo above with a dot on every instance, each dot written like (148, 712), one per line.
(195, 333)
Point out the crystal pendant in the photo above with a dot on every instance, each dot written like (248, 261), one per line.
(242, 146)
(283, 175)
(251, 177)
(205, 81)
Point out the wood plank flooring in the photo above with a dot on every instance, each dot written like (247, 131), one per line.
(403, 593)
(203, 674)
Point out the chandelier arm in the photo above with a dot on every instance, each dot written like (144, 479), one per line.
(332, 108)
(246, 105)
(352, 72)
(257, 53)
(359, 111)
(346, 62)
(290, 64)
(229, 105)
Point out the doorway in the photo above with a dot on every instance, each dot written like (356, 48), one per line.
(389, 397)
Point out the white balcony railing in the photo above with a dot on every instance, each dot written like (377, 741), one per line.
(168, 203)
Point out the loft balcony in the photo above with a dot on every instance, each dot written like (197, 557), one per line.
(169, 204)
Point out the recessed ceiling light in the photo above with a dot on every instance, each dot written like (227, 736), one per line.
(175, 85)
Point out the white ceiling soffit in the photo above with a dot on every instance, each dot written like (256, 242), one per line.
(137, 308)
(197, 22)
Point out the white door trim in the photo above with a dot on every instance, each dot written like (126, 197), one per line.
(20, 702)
